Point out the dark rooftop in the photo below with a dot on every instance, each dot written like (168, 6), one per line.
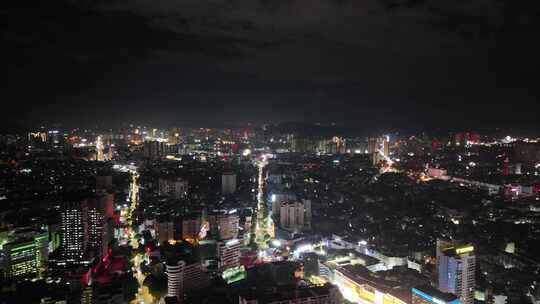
(434, 292)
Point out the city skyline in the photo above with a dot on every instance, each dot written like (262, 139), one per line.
(270, 152)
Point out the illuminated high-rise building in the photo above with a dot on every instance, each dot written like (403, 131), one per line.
(183, 277)
(456, 264)
(295, 216)
(229, 254)
(73, 226)
(99, 149)
(84, 229)
(25, 253)
(174, 136)
(379, 148)
(183, 268)
(372, 145)
(37, 138)
(175, 278)
(338, 145)
(279, 197)
(110, 151)
(20, 258)
(96, 226)
(224, 224)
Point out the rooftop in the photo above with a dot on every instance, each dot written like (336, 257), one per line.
(434, 292)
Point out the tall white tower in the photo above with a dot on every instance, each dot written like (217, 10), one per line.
(99, 149)
(456, 269)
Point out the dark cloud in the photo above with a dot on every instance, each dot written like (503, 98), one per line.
(425, 62)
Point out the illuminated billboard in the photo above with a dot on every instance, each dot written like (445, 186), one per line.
(234, 274)
(466, 249)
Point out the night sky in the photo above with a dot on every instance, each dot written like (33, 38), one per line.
(389, 63)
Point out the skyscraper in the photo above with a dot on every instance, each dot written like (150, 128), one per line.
(25, 254)
(224, 224)
(184, 269)
(73, 222)
(456, 269)
(175, 278)
(96, 226)
(154, 149)
(99, 149)
(378, 148)
(84, 228)
(229, 254)
(296, 216)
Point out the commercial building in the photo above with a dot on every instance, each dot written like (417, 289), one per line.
(456, 265)
(429, 295)
(357, 285)
(24, 257)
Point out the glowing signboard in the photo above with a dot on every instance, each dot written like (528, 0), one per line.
(464, 249)
(234, 274)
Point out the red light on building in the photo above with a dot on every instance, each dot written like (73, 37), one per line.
(506, 167)
(85, 279)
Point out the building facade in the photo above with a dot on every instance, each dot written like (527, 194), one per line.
(456, 264)
(224, 225)
(229, 254)
(228, 183)
(295, 216)
(431, 295)
(173, 187)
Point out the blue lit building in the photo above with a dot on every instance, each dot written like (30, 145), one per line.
(456, 264)
(429, 295)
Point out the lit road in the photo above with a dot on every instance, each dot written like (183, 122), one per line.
(143, 295)
(263, 224)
